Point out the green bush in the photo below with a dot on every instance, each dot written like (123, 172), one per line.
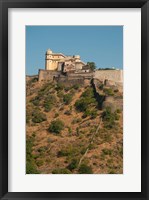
(47, 106)
(109, 118)
(108, 91)
(93, 114)
(88, 93)
(67, 98)
(61, 171)
(87, 99)
(107, 151)
(85, 169)
(56, 126)
(39, 163)
(68, 151)
(73, 165)
(35, 101)
(31, 168)
(56, 115)
(45, 89)
(49, 101)
(38, 117)
(30, 162)
(69, 130)
(86, 113)
(76, 86)
(60, 86)
(83, 103)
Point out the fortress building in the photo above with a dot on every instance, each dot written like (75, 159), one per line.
(72, 70)
(62, 68)
(60, 62)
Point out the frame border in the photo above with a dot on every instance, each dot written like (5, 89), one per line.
(4, 6)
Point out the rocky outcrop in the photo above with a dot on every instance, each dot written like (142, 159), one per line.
(114, 102)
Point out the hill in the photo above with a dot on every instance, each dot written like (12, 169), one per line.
(68, 131)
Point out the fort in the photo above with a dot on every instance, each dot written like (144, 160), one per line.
(71, 69)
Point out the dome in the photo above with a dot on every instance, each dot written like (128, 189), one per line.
(49, 51)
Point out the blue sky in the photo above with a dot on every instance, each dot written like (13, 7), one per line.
(100, 44)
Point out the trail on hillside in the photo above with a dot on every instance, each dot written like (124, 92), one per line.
(91, 141)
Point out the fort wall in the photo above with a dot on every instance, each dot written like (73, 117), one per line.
(47, 74)
(112, 75)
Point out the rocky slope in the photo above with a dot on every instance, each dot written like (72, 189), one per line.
(68, 132)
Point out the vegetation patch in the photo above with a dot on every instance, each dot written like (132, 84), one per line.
(31, 167)
(85, 169)
(56, 126)
(38, 117)
(109, 118)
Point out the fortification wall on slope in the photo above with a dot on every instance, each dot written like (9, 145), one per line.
(113, 75)
(47, 75)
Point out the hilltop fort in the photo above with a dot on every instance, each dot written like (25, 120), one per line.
(71, 69)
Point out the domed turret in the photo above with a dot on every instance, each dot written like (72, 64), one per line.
(49, 51)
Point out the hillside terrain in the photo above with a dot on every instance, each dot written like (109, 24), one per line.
(67, 132)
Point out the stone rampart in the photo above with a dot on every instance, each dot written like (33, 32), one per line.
(112, 75)
(47, 75)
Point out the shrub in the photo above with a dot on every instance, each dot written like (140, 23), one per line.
(67, 98)
(76, 86)
(73, 165)
(31, 168)
(87, 99)
(83, 103)
(108, 91)
(69, 130)
(88, 93)
(118, 111)
(67, 112)
(49, 102)
(36, 101)
(56, 126)
(42, 149)
(68, 151)
(109, 118)
(93, 114)
(45, 89)
(61, 171)
(30, 162)
(47, 106)
(107, 151)
(67, 89)
(85, 169)
(86, 113)
(39, 163)
(56, 115)
(39, 117)
(60, 86)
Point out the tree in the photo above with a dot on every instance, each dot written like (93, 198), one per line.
(91, 65)
(56, 126)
